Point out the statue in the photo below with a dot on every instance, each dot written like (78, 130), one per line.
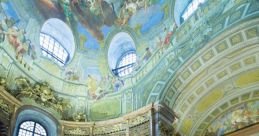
(41, 93)
(80, 116)
(92, 85)
(46, 94)
(24, 86)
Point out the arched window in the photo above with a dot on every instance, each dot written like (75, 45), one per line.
(193, 5)
(57, 41)
(122, 54)
(126, 64)
(31, 128)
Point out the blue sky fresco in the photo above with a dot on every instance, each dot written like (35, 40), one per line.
(8, 10)
(93, 71)
(161, 2)
(106, 30)
(92, 42)
(148, 18)
(153, 20)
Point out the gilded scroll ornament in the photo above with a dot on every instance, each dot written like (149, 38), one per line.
(41, 93)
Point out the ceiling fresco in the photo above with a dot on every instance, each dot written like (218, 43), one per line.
(181, 67)
(87, 74)
(24, 49)
(91, 22)
(94, 18)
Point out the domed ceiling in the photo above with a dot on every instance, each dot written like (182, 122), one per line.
(94, 24)
(90, 38)
(201, 70)
(94, 19)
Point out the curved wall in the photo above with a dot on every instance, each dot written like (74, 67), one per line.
(192, 36)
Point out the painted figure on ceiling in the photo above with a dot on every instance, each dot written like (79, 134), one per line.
(16, 37)
(236, 118)
(124, 16)
(92, 14)
(129, 8)
(160, 43)
(31, 50)
(67, 9)
(5, 24)
(96, 14)
(72, 74)
(117, 84)
(147, 55)
(92, 86)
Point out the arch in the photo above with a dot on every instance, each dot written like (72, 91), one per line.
(56, 30)
(120, 44)
(206, 78)
(30, 113)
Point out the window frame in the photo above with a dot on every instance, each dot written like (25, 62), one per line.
(52, 54)
(34, 128)
(120, 69)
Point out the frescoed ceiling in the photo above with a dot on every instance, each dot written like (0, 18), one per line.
(205, 69)
(94, 33)
(93, 24)
(94, 18)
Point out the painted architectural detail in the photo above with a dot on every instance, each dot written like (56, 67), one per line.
(201, 69)
(41, 93)
(23, 48)
(236, 118)
(76, 131)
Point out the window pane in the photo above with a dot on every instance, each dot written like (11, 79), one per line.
(52, 49)
(51, 46)
(39, 129)
(55, 51)
(28, 125)
(30, 128)
(126, 64)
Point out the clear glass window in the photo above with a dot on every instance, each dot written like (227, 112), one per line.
(31, 128)
(126, 64)
(52, 49)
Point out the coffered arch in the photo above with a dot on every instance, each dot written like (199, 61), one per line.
(215, 74)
